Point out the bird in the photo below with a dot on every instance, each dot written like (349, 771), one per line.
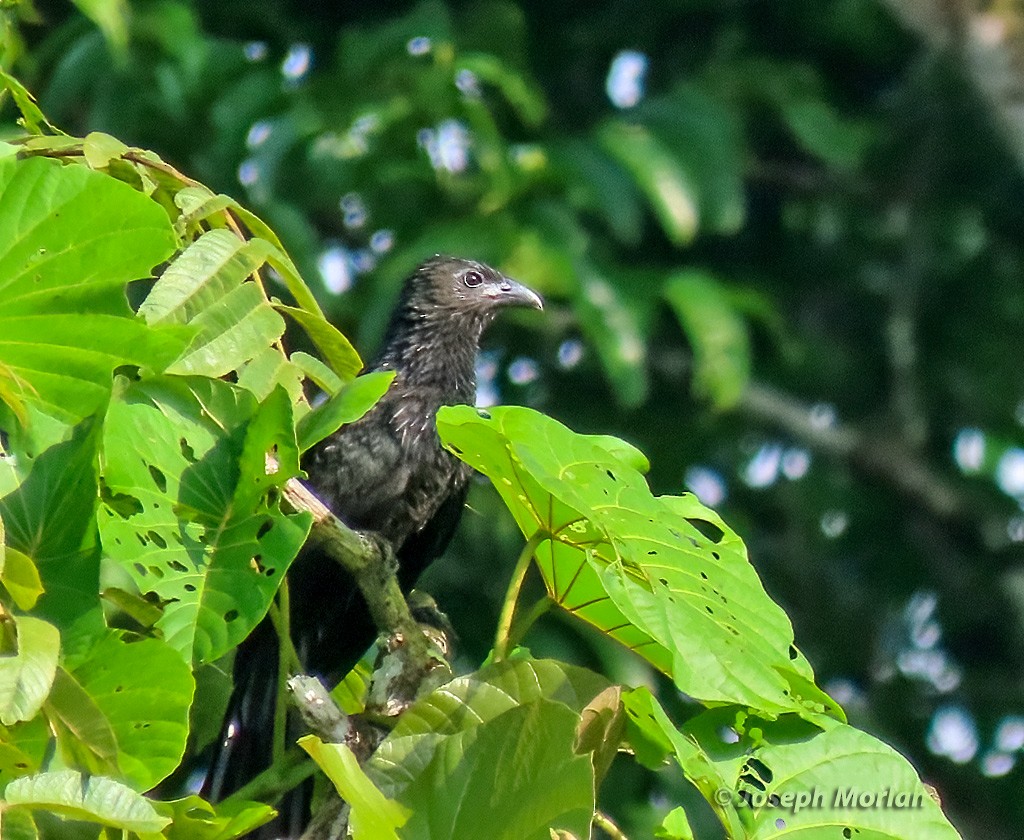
(386, 474)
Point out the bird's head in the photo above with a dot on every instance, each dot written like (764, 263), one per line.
(458, 287)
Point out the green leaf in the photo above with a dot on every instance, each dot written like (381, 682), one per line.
(517, 774)
(346, 406)
(788, 778)
(99, 149)
(420, 739)
(197, 523)
(521, 93)
(233, 331)
(70, 239)
(373, 815)
(650, 726)
(27, 674)
(675, 826)
(23, 748)
(337, 350)
(91, 798)
(614, 327)
(824, 133)
(144, 691)
(31, 116)
(705, 138)
(111, 16)
(215, 264)
(658, 174)
(322, 376)
(18, 825)
(665, 576)
(84, 735)
(270, 368)
(20, 578)
(193, 818)
(50, 517)
(717, 334)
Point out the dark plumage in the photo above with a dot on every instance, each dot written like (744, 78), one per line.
(387, 474)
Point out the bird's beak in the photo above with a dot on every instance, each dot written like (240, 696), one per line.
(511, 293)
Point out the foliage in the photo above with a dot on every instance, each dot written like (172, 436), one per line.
(170, 542)
(797, 214)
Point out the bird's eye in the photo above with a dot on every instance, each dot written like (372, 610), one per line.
(472, 279)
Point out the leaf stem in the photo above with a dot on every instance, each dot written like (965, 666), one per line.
(604, 822)
(522, 626)
(287, 664)
(287, 772)
(508, 609)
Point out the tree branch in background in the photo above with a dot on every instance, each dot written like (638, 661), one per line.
(884, 459)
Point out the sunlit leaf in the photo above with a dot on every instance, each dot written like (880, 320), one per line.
(664, 576)
(143, 690)
(20, 578)
(70, 240)
(27, 673)
(373, 815)
(346, 406)
(91, 798)
(188, 512)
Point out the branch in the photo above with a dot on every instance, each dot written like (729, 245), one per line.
(888, 461)
(372, 564)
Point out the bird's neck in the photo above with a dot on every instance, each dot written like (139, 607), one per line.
(435, 353)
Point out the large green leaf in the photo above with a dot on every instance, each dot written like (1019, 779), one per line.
(92, 798)
(143, 690)
(50, 517)
(508, 729)
(470, 700)
(793, 778)
(70, 239)
(664, 576)
(187, 506)
(517, 774)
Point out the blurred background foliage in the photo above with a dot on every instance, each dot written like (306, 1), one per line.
(781, 248)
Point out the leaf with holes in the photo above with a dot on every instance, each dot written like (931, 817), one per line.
(143, 691)
(189, 510)
(195, 819)
(665, 576)
(791, 778)
(70, 241)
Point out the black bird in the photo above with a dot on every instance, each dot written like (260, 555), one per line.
(386, 474)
